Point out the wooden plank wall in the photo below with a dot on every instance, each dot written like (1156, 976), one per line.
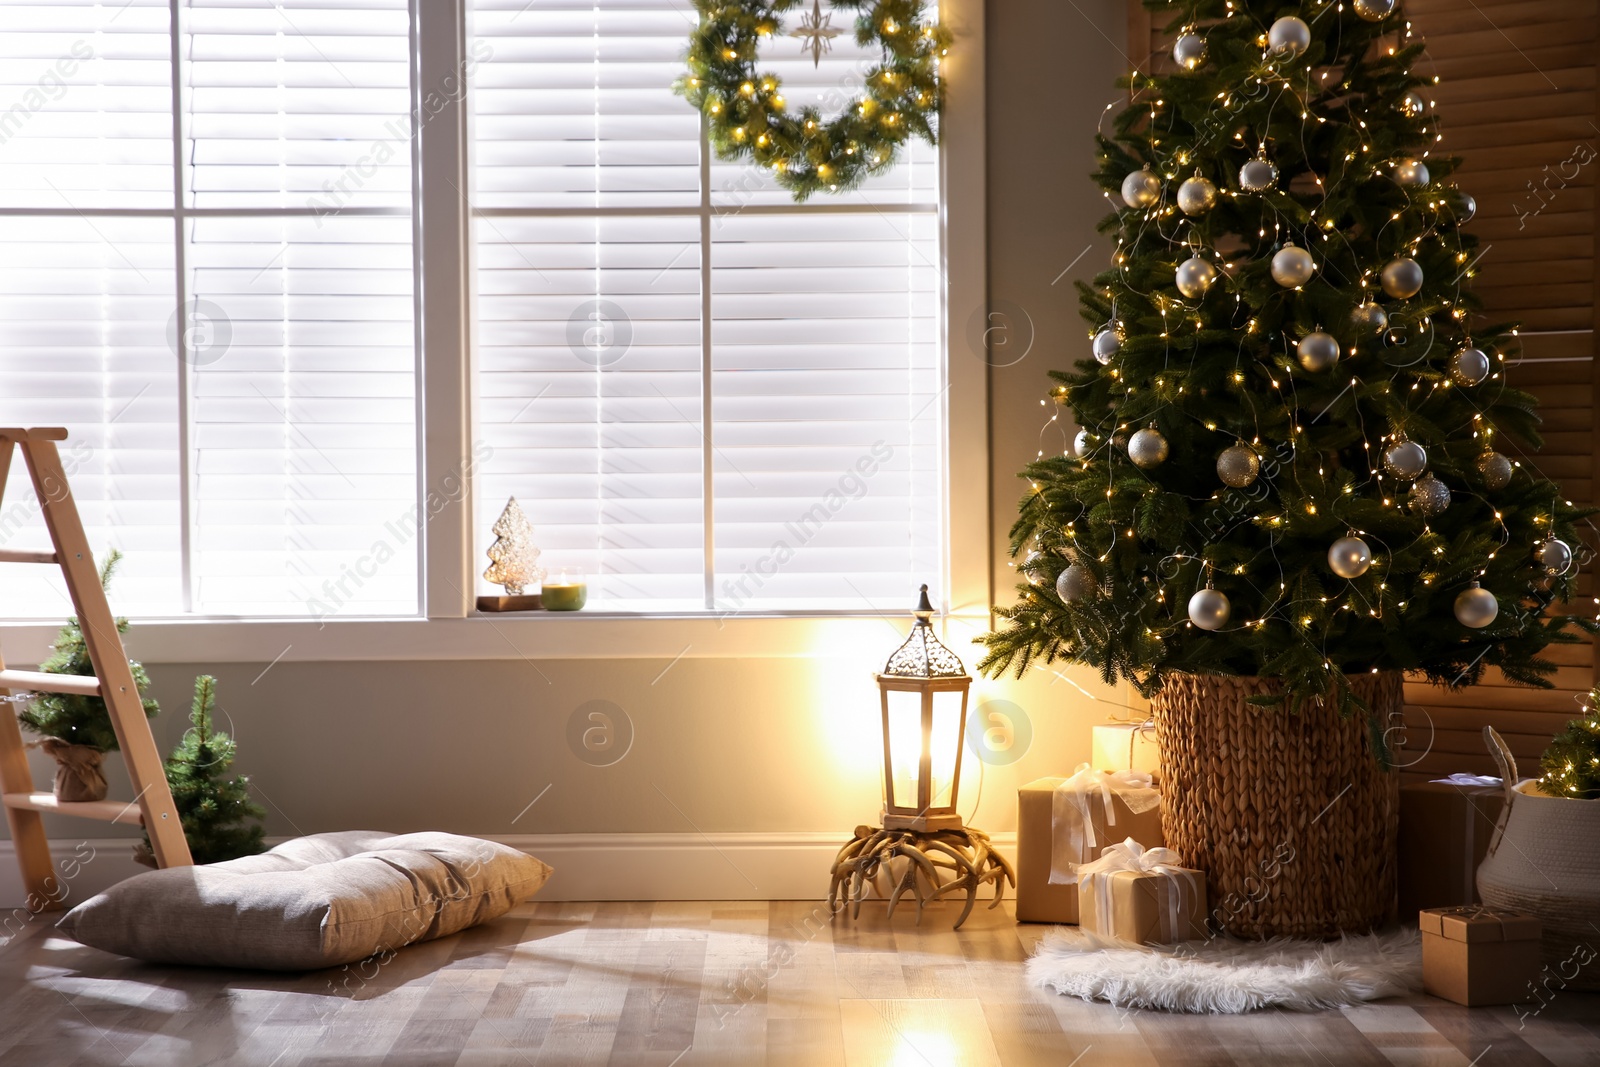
(1516, 100)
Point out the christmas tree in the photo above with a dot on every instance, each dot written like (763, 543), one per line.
(81, 720)
(1297, 454)
(219, 818)
(514, 556)
(1572, 762)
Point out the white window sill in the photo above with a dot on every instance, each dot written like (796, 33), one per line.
(533, 636)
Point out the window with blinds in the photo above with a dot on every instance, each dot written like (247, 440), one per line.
(249, 163)
(704, 396)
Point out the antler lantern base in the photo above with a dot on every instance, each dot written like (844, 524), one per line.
(934, 864)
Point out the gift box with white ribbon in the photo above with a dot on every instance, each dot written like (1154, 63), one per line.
(1142, 895)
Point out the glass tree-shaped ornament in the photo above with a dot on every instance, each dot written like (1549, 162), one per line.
(924, 696)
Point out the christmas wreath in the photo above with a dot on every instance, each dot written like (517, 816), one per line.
(745, 111)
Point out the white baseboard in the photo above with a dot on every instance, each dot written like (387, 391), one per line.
(728, 866)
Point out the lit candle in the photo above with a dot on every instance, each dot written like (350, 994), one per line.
(565, 592)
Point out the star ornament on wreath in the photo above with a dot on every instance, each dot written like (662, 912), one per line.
(746, 116)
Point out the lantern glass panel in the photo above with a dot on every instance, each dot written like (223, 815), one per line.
(945, 744)
(905, 746)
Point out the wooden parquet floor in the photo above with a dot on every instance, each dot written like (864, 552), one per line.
(681, 984)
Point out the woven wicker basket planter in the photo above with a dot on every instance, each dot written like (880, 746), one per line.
(1544, 860)
(1290, 815)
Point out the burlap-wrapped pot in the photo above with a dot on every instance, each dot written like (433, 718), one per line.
(1291, 815)
(79, 775)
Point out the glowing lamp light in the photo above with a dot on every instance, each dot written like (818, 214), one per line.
(924, 692)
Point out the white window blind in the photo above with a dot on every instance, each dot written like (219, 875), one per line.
(264, 464)
(704, 396)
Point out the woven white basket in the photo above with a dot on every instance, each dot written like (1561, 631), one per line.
(1544, 860)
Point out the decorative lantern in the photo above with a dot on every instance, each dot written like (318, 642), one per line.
(924, 690)
(922, 847)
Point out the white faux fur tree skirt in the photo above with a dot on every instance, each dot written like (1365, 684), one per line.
(1227, 977)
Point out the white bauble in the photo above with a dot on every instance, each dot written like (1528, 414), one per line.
(1289, 36)
(1496, 470)
(1147, 448)
(1082, 444)
(1074, 583)
(1412, 174)
(1194, 277)
(1402, 278)
(1141, 189)
(1374, 10)
(1197, 196)
(1476, 607)
(1258, 175)
(1412, 105)
(1429, 496)
(1189, 50)
(1318, 351)
(1469, 366)
(1554, 555)
(1369, 318)
(1209, 609)
(1292, 266)
(1349, 557)
(1238, 466)
(1405, 459)
(1107, 343)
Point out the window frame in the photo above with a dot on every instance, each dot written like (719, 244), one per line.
(447, 626)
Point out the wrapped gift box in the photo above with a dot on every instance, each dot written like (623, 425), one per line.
(1444, 832)
(1126, 746)
(1050, 845)
(1475, 956)
(1141, 895)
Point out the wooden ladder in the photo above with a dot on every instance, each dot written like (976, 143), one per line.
(113, 682)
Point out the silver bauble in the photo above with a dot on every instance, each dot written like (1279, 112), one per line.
(1082, 444)
(1209, 609)
(1476, 607)
(1318, 351)
(1468, 208)
(1554, 555)
(1074, 583)
(1349, 557)
(1107, 343)
(1197, 196)
(1258, 175)
(1402, 278)
(1141, 189)
(1289, 36)
(1028, 563)
(1147, 448)
(1405, 459)
(1374, 10)
(1495, 469)
(1292, 266)
(1194, 277)
(1429, 496)
(1413, 104)
(1369, 318)
(1469, 366)
(1189, 50)
(1412, 174)
(1238, 466)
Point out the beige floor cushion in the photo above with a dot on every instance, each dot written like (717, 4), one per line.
(313, 902)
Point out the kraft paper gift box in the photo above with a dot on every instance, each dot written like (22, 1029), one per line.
(1475, 956)
(1126, 746)
(1445, 827)
(1142, 895)
(1053, 836)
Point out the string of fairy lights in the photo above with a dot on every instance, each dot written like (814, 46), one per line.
(1399, 474)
